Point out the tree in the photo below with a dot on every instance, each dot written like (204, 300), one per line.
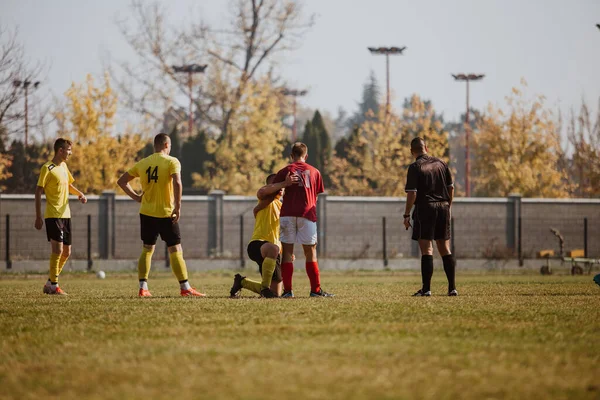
(242, 161)
(378, 151)
(584, 169)
(15, 68)
(195, 155)
(258, 30)
(311, 140)
(25, 166)
(369, 105)
(518, 151)
(323, 158)
(99, 155)
(5, 158)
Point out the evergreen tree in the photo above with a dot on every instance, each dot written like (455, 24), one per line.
(311, 140)
(324, 144)
(175, 142)
(369, 103)
(194, 155)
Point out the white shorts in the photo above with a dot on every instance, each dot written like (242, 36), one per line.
(297, 230)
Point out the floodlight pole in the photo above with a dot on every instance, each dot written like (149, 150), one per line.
(467, 78)
(190, 69)
(294, 93)
(387, 51)
(25, 84)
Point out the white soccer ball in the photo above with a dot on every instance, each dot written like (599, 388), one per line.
(100, 275)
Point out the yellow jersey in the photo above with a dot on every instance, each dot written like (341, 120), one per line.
(266, 226)
(55, 179)
(155, 175)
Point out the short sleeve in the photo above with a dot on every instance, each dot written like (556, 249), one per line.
(174, 166)
(280, 177)
(449, 181)
(412, 179)
(43, 179)
(320, 188)
(71, 179)
(134, 171)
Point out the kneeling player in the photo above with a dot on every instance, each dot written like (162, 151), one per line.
(264, 247)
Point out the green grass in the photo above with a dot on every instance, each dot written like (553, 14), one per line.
(506, 336)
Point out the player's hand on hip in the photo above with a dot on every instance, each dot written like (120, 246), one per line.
(83, 199)
(39, 222)
(175, 215)
(407, 223)
(138, 197)
(291, 179)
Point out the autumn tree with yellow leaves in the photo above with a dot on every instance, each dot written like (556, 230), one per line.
(242, 160)
(378, 152)
(100, 156)
(518, 151)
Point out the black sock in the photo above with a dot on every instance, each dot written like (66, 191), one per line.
(450, 270)
(426, 271)
(183, 281)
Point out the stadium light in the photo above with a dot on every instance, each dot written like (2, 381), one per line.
(387, 51)
(25, 85)
(294, 93)
(190, 69)
(467, 78)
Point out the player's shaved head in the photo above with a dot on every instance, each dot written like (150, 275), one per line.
(61, 143)
(160, 140)
(270, 178)
(417, 145)
(299, 150)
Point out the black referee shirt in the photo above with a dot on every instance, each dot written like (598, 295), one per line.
(430, 177)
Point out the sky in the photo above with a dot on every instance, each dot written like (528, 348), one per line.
(554, 45)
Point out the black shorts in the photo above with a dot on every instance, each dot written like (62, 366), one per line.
(59, 229)
(431, 221)
(151, 227)
(256, 256)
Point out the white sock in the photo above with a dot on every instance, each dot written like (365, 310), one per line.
(144, 285)
(185, 285)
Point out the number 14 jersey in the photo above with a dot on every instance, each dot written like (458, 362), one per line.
(155, 175)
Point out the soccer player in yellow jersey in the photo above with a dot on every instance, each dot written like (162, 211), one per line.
(264, 247)
(56, 182)
(160, 176)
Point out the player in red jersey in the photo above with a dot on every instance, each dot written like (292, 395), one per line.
(298, 220)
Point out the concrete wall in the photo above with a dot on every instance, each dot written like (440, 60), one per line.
(349, 227)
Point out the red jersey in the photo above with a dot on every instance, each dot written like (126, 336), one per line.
(301, 200)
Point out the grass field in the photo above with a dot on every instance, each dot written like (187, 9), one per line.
(506, 336)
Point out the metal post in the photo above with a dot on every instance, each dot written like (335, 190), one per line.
(242, 258)
(89, 243)
(452, 235)
(520, 242)
(191, 120)
(585, 237)
(387, 76)
(26, 85)
(467, 148)
(8, 260)
(385, 256)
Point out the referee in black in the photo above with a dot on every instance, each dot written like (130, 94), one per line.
(430, 189)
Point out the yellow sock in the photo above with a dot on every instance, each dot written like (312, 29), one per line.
(268, 267)
(61, 264)
(144, 263)
(178, 265)
(252, 285)
(54, 265)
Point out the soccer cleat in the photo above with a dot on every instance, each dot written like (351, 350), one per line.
(288, 295)
(597, 279)
(453, 292)
(144, 293)
(421, 293)
(237, 285)
(267, 294)
(58, 291)
(321, 293)
(191, 292)
(46, 289)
